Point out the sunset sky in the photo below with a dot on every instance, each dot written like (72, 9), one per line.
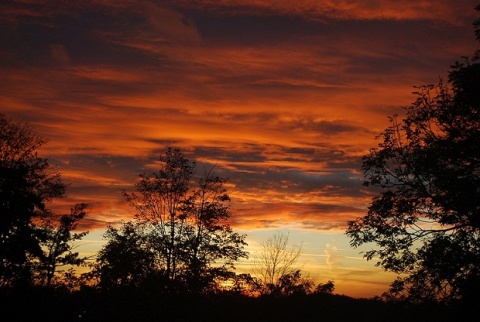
(284, 97)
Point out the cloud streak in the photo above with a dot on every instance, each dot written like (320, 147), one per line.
(342, 10)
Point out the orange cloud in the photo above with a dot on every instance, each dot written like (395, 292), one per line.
(345, 9)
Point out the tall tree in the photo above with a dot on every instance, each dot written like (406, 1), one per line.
(425, 220)
(158, 200)
(58, 243)
(27, 185)
(276, 261)
(208, 239)
(187, 225)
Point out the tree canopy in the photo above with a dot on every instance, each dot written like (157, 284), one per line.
(126, 260)
(180, 231)
(425, 219)
(27, 185)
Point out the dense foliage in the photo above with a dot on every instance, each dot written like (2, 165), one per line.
(34, 243)
(425, 220)
(180, 232)
(27, 184)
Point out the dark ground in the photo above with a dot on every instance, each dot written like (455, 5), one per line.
(133, 305)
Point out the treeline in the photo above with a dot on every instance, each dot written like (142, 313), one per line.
(141, 305)
(178, 240)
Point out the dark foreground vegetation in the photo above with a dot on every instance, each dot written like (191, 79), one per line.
(424, 220)
(136, 305)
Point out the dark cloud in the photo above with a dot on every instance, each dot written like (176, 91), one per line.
(253, 29)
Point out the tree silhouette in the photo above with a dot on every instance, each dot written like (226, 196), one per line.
(184, 238)
(325, 288)
(27, 185)
(57, 243)
(208, 239)
(127, 259)
(292, 284)
(158, 200)
(425, 221)
(275, 260)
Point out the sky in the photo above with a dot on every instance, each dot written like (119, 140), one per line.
(282, 97)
